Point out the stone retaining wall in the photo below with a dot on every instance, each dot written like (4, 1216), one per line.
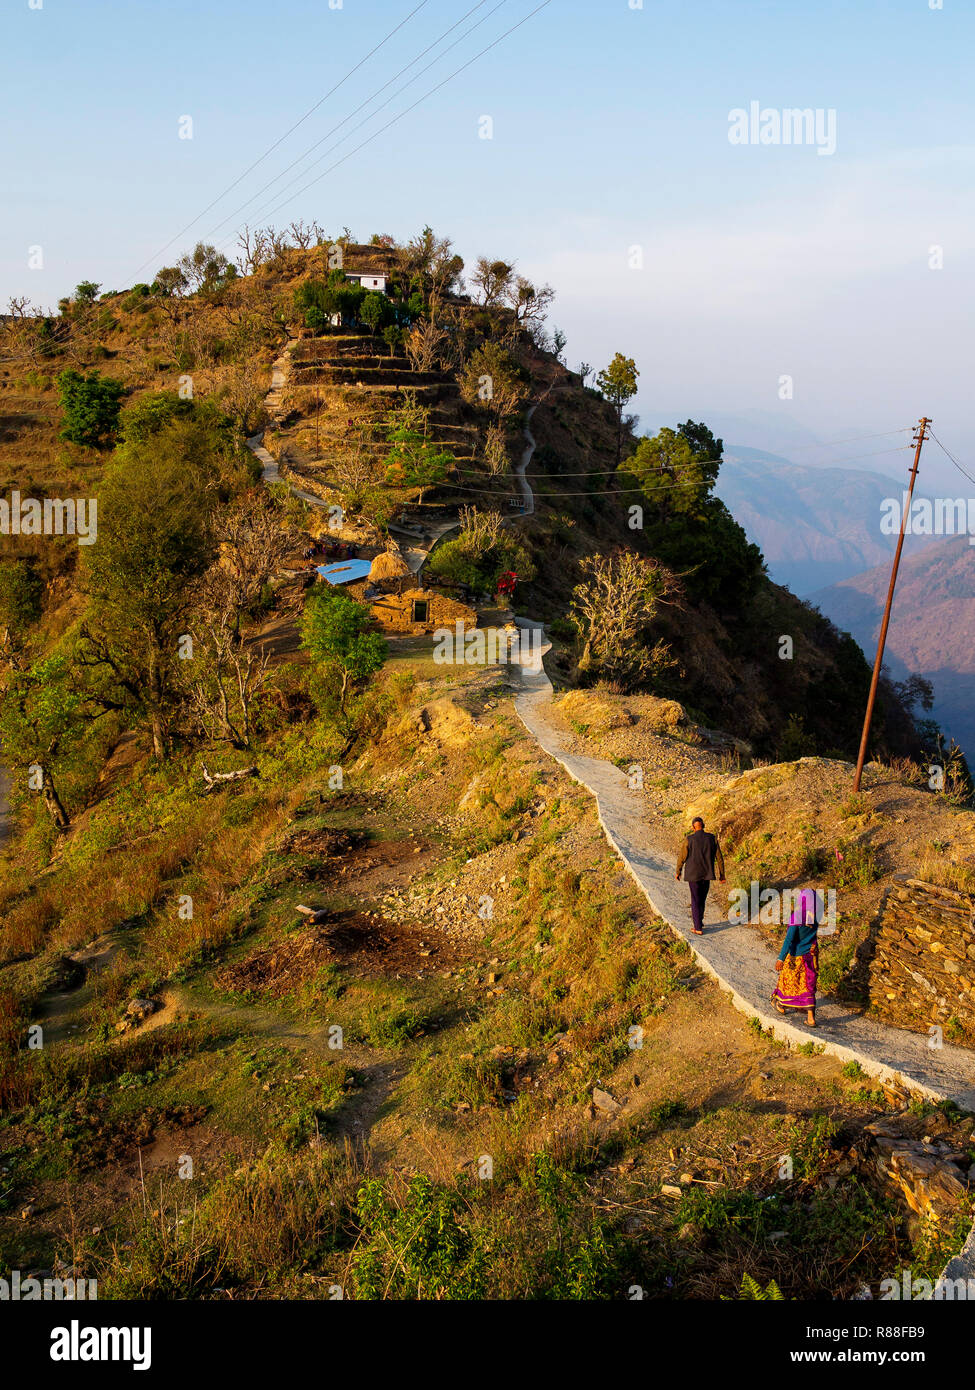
(923, 968)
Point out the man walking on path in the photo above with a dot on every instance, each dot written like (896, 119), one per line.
(702, 861)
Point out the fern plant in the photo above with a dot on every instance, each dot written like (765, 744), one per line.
(752, 1289)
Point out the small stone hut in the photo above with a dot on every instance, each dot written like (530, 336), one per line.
(415, 611)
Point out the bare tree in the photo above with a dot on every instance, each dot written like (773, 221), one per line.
(24, 329)
(252, 547)
(227, 673)
(424, 342)
(242, 396)
(612, 607)
(481, 530)
(495, 449)
(305, 234)
(253, 250)
(228, 679)
(529, 304)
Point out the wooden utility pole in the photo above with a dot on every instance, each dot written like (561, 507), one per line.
(919, 439)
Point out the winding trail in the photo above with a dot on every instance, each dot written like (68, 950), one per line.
(733, 955)
(524, 461)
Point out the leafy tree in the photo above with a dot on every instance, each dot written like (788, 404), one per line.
(335, 632)
(152, 412)
(21, 588)
(482, 552)
(137, 298)
(349, 297)
(670, 474)
(393, 338)
(317, 301)
(41, 720)
(702, 441)
(376, 311)
(205, 268)
(170, 282)
(617, 382)
(413, 461)
(530, 304)
(493, 380)
(91, 407)
(689, 529)
(492, 279)
(154, 539)
(432, 259)
(215, 444)
(86, 293)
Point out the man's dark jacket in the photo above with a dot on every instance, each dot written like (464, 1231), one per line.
(700, 857)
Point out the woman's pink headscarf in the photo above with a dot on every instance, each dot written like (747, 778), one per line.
(805, 913)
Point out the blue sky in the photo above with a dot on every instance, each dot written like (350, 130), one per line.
(610, 132)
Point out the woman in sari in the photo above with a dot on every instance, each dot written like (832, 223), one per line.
(798, 962)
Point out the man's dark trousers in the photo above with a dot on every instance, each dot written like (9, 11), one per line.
(699, 896)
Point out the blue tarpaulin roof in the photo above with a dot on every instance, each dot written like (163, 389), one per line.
(345, 571)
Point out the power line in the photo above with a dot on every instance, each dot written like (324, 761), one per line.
(952, 457)
(609, 472)
(903, 429)
(368, 99)
(609, 492)
(411, 107)
(290, 131)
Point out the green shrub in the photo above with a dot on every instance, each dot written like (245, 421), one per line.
(420, 1249)
(91, 407)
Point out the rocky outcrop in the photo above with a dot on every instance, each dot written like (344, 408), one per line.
(923, 1161)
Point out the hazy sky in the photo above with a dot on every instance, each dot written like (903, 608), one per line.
(610, 132)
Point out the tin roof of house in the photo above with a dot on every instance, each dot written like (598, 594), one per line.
(345, 571)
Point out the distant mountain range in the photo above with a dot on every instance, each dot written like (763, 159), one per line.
(932, 627)
(817, 525)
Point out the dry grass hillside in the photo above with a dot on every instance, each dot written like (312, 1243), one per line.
(524, 1053)
(388, 989)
